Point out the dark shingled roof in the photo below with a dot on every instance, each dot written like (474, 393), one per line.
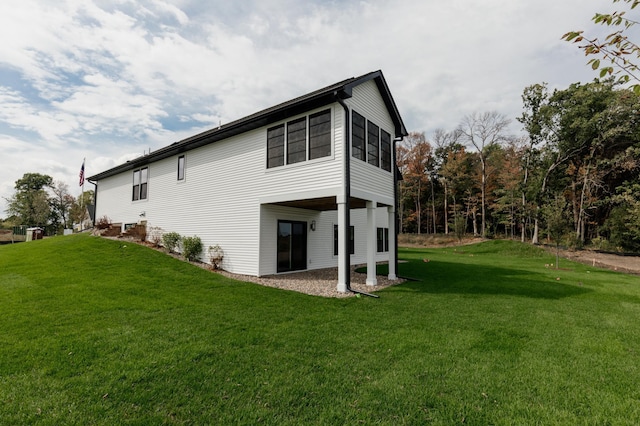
(316, 99)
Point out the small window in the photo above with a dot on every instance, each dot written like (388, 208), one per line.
(383, 240)
(358, 136)
(275, 146)
(352, 244)
(385, 151)
(297, 140)
(373, 144)
(140, 178)
(320, 135)
(181, 167)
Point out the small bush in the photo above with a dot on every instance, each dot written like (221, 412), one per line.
(155, 235)
(191, 247)
(170, 241)
(216, 254)
(460, 226)
(103, 223)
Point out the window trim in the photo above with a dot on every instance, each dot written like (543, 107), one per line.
(387, 158)
(289, 141)
(354, 136)
(181, 168)
(142, 187)
(311, 138)
(382, 244)
(373, 141)
(279, 142)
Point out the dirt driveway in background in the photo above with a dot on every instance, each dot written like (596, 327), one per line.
(614, 262)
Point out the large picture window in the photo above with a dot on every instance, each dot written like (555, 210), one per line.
(352, 243)
(373, 144)
(289, 143)
(358, 131)
(140, 178)
(320, 135)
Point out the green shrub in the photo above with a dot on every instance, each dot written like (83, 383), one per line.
(460, 226)
(191, 247)
(170, 241)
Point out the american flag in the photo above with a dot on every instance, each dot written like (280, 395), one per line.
(82, 174)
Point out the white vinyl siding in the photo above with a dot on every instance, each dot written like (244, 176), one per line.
(229, 194)
(219, 202)
(367, 180)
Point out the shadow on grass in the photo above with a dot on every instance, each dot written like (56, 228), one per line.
(440, 277)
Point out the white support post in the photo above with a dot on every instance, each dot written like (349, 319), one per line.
(371, 243)
(392, 243)
(343, 250)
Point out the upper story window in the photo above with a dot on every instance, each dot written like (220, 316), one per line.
(358, 131)
(385, 151)
(181, 167)
(320, 135)
(297, 140)
(140, 179)
(373, 144)
(302, 139)
(275, 146)
(377, 150)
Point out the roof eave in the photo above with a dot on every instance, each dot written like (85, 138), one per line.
(317, 99)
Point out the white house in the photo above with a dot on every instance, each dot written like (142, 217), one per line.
(294, 187)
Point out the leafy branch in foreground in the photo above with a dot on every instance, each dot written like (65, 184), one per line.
(616, 48)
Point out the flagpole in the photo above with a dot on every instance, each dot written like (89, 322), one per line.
(82, 209)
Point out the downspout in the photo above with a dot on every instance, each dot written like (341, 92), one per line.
(95, 201)
(347, 194)
(396, 199)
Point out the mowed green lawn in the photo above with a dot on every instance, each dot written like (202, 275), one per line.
(96, 331)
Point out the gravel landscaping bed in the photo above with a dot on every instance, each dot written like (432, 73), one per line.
(319, 282)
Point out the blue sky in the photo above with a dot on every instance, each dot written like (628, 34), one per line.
(107, 80)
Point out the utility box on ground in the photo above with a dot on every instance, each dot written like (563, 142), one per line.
(34, 234)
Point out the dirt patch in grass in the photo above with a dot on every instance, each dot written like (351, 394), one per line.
(611, 261)
(614, 262)
(435, 240)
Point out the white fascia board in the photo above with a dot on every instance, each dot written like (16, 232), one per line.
(364, 195)
(304, 195)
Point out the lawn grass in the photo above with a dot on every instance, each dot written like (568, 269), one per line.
(97, 331)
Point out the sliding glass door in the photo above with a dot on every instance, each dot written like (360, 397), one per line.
(292, 246)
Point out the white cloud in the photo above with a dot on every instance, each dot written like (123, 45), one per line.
(100, 78)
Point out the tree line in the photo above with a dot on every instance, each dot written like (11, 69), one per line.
(40, 201)
(572, 177)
